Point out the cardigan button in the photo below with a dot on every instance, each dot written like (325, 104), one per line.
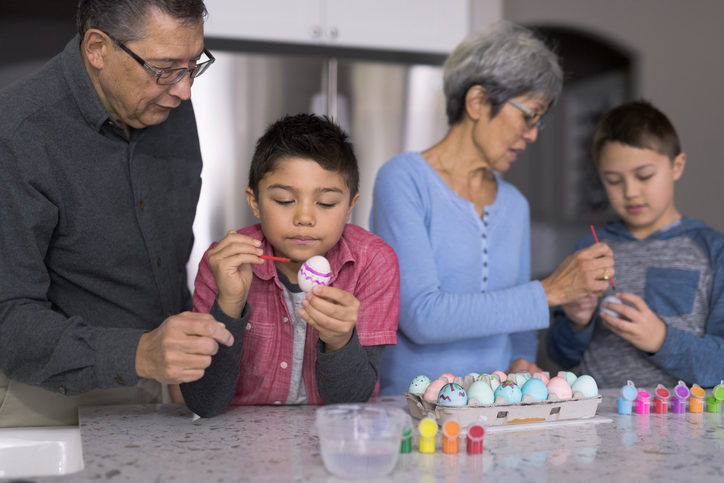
(248, 326)
(284, 365)
(277, 402)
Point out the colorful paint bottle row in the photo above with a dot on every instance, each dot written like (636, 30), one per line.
(450, 437)
(662, 397)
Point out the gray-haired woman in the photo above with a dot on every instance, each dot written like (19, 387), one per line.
(462, 234)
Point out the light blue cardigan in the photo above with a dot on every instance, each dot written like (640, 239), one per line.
(466, 302)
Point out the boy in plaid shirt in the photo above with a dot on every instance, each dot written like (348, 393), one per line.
(290, 347)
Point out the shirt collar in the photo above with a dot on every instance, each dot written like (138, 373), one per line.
(337, 256)
(80, 85)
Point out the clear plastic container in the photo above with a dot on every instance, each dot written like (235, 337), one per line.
(360, 440)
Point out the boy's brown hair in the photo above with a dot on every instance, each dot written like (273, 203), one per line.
(305, 136)
(637, 124)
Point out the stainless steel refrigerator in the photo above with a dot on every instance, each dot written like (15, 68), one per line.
(387, 107)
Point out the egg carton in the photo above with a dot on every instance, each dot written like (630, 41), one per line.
(502, 412)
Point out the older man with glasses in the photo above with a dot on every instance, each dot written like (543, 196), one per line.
(99, 179)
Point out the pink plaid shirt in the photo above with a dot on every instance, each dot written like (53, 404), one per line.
(362, 264)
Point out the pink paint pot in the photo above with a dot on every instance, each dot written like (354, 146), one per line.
(643, 402)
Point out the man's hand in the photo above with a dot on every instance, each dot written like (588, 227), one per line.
(643, 328)
(580, 312)
(180, 349)
(230, 263)
(333, 312)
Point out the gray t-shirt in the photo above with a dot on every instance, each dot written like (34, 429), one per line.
(293, 296)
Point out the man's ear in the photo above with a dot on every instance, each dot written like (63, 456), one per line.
(679, 165)
(476, 102)
(95, 46)
(253, 203)
(351, 205)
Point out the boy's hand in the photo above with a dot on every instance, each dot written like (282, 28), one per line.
(333, 312)
(586, 271)
(580, 312)
(643, 328)
(230, 263)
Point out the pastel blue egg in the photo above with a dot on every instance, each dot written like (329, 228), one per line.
(536, 389)
(586, 385)
(481, 391)
(419, 384)
(510, 391)
(570, 378)
(452, 395)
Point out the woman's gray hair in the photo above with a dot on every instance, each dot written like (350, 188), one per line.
(507, 60)
(125, 20)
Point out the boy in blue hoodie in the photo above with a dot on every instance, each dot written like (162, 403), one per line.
(669, 268)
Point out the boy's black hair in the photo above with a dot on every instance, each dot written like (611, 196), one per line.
(305, 136)
(637, 124)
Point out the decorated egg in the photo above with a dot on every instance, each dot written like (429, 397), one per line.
(536, 389)
(559, 386)
(490, 379)
(586, 385)
(315, 271)
(450, 377)
(474, 374)
(503, 376)
(419, 384)
(521, 378)
(510, 391)
(481, 391)
(433, 389)
(452, 395)
(612, 299)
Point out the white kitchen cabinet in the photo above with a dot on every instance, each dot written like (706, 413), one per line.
(434, 26)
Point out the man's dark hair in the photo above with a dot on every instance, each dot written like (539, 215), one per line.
(305, 136)
(637, 124)
(125, 20)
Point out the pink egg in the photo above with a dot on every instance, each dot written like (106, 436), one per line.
(503, 376)
(449, 376)
(559, 386)
(542, 377)
(433, 390)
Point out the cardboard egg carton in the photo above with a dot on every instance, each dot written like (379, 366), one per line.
(502, 412)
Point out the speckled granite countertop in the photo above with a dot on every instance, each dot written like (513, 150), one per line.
(167, 443)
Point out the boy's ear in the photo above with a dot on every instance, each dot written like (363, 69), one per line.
(351, 205)
(476, 100)
(253, 203)
(678, 166)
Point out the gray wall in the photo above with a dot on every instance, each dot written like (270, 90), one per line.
(679, 46)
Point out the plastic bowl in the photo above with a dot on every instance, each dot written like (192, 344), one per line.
(360, 440)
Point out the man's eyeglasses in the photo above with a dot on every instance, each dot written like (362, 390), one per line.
(531, 119)
(170, 76)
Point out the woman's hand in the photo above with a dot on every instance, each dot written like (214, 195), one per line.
(586, 271)
(333, 312)
(580, 311)
(230, 263)
(643, 328)
(523, 365)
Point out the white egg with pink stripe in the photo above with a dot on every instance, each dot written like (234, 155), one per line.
(315, 271)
